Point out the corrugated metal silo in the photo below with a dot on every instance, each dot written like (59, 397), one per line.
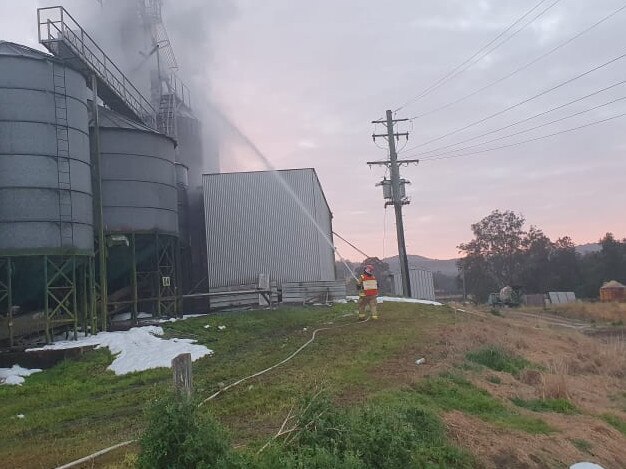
(254, 225)
(182, 186)
(140, 198)
(139, 191)
(45, 169)
(46, 214)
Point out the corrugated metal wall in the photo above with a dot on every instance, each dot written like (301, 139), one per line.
(422, 284)
(254, 226)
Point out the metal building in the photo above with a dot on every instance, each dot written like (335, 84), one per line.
(46, 215)
(267, 222)
(422, 284)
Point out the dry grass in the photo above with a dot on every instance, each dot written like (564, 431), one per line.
(600, 312)
(554, 382)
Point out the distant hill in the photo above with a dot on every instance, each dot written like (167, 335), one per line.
(448, 266)
(588, 248)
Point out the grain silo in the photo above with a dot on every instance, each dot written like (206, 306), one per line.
(46, 216)
(267, 222)
(140, 201)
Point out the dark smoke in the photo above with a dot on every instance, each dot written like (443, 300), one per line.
(192, 26)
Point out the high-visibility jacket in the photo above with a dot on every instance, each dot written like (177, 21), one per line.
(368, 285)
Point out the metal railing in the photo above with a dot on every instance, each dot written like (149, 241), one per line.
(180, 90)
(56, 26)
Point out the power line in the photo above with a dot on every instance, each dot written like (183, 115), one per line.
(579, 113)
(569, 103)
(350, 244)
(468, 62)
(529, 140)
(523, 67)
(549, 90)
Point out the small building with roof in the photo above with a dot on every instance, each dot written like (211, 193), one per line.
(612, 291)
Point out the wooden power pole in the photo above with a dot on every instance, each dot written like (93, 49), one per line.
(394, 191)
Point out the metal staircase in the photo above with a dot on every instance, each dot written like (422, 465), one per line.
(67, 40)
(64, 172)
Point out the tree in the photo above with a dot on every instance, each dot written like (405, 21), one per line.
(502, 253)
(536, 273)
(613, 258)
(565, 265)
(497, 247)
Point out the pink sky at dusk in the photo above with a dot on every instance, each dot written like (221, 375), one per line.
(304, 85)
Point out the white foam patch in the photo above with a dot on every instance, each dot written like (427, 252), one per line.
(137, 349)
(394, 299)
(15, 375)
(186, 316)
(586, 465)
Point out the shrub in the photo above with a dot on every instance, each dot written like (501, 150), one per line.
(498, 359)
(382, 434)
(177, 436)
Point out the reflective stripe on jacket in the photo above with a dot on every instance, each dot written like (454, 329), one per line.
(369, 285)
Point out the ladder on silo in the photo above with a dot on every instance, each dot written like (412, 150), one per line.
(166, 119)
(64, 172)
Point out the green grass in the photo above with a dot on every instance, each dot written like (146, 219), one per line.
(498, 359)
(389, 433)
(79, 407)
(450, 392)
(582, 445)
(559, 406)
(616, 422)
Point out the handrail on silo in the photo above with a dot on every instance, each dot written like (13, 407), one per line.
(61, 27)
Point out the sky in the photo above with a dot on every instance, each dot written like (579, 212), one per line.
(303, 80)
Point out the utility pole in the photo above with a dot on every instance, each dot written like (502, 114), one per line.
(394, 191)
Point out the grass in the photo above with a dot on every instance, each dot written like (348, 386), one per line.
(559, 406)
(498, 359)
(79, 407)
(72, 409)
(389, 433)
(590, 311)
(616, 422)
(582, 445)
(450, 392)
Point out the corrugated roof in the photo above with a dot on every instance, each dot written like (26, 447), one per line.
(613, 284)
(109, 118)
(112, 120)
(18, 50)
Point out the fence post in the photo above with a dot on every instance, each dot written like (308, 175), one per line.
(182, 373)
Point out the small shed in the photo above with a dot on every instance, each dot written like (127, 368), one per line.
(612, 291)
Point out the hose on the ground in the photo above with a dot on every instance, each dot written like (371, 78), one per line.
(93, 456)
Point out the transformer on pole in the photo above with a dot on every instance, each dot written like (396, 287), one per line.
(394, 190)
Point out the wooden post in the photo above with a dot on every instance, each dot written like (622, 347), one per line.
(183, 378)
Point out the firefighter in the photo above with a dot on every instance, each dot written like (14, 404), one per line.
(368, 291)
